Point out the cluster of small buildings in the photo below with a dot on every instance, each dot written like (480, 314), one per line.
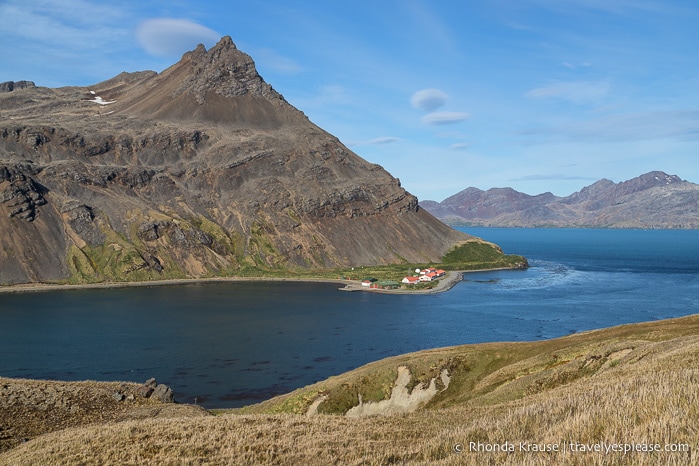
(424, 275)
(382, 284)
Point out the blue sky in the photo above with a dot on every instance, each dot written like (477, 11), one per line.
(539, 95)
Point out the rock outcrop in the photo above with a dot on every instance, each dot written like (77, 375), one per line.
(201, 170)
(652, 200)
(153, 390)
(30, 408)
(10, 86)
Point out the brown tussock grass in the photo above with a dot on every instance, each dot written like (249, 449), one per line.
(29, 408)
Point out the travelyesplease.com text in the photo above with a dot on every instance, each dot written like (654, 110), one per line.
(572, 447)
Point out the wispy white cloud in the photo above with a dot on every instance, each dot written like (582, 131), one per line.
(428, 100)
(459, 146)
(618, 7)
(575, 66)
(451, 135)
(552, 177)
(170, 37)
(578, 92)
(58, 43)
(69, 24)
(324, 97)
(332, 94)
(383, 140)
(271, 59)
(375, 142)
(667, 124)
(431, 24)
(444, 118)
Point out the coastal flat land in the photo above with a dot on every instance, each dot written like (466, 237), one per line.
(473, 255)
(446, 283)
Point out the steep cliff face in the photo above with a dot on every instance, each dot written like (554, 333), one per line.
(652, 200)
(203, 169)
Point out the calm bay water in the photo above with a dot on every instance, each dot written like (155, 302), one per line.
(230, 344)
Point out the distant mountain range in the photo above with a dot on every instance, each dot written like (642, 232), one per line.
(652, 200)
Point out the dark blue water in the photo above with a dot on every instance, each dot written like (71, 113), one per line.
(238, 343)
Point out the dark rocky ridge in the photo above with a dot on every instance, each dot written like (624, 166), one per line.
(10, 86)
(652, 200)
(201, 170)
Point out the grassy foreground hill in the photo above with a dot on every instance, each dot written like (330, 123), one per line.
(633, 387)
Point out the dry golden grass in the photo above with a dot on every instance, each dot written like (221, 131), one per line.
(29, 408)
(636, 384)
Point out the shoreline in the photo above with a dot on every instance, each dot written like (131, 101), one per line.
(39, 287)
(448, 282)
(445, 284)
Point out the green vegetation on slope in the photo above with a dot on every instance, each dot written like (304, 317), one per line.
(493, 373)
(469, 255)
(165, 246)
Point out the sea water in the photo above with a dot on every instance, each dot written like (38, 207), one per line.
(231, 344)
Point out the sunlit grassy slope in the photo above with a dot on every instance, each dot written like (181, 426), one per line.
(633, 386)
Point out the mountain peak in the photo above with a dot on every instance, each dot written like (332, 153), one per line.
(220, 85)
(223, 47)
(658, 178)
(223, 69)
(226, 42)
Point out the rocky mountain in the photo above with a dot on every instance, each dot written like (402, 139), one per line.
(652, 200)
(200, 170)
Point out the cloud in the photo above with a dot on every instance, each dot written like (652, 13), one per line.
(622, 8)
(428, 22)
(375, 142)
(428, 100)
(578, 92)
(451, 135)
(169, 37)
(54, 24)
(459, 146)
(330, 95)
(574, 66)
(557, 177)
(269, 58)
(383, 140)
(49, 43)
(667, 124)
(444, 118)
